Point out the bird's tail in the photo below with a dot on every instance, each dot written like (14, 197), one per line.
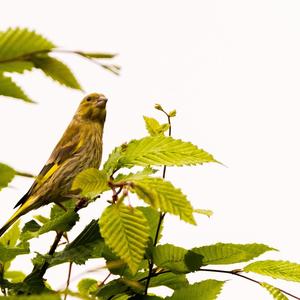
(26, 207)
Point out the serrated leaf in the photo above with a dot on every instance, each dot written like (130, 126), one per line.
(275, 292)
(277, 269)
(176, 259)
(86, 286)
(57, 211)
(19, 42)
(154, 127)
(16, 66)
(111, 289)
(9, 88)
(7, 254)
(206, 290)
(161, 150)
(88, 244)
(9, 240)
(61, 223)
(91, 182)
(162, 195)
(57, 70)
(222, 254)
(29, 230)
(152, 216)
(113, 162)
(146, 172)
(10, 237)
(126, 232)
(6, 172)
(173, 281)
(14, 276)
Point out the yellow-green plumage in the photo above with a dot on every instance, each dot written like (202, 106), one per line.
(79, 148)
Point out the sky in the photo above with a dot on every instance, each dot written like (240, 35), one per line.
(230, 68)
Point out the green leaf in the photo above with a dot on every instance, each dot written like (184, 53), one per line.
(162, 195)
(19, 42)
(171, 280)
(223, 254)
(176, 259)
(97, 54)
(152, 216)
(9, 88)
(206, 290)
(58, 211)
(6, 173)
(205, 212)
(16, 66)
(57, 70)
(277, 269)
(7, 254)
(87, 286)
(88, 244)
(113, 162)
(275, 292)
(161, 150)
(91, 182)
(9, 240)
(111, 289)
(10, 237)
(126, 232)
(29, 231)
(14, 276)
(154, 128)
(145, 173)
(62, 223)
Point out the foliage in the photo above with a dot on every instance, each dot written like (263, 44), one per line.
(127, 237)
(25, 50)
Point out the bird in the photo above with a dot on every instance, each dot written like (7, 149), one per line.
(79, 148)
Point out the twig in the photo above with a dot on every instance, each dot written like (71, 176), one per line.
(161, 217)
(68, 280)
(104, 280)
(248, 278)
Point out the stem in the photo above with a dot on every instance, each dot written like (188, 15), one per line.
(51, 252)
(248, 278)
(161, 218)
(24, 174)
(68, 280)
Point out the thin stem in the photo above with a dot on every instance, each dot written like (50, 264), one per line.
(248, 278)
(161, 218)
(104, 280)
(68, 280)
(24, 174)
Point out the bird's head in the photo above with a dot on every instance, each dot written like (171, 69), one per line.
(92, 108)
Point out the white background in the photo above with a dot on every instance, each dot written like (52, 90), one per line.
(232, 71)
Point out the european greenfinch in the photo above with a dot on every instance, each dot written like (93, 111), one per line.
(79, 148)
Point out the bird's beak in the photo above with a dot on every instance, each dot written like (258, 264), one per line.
(101, 102)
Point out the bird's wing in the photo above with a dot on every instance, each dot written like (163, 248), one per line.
(66, 147)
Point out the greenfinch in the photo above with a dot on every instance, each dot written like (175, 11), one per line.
(79, 148)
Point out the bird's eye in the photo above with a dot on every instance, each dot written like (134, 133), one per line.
(88, 98)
